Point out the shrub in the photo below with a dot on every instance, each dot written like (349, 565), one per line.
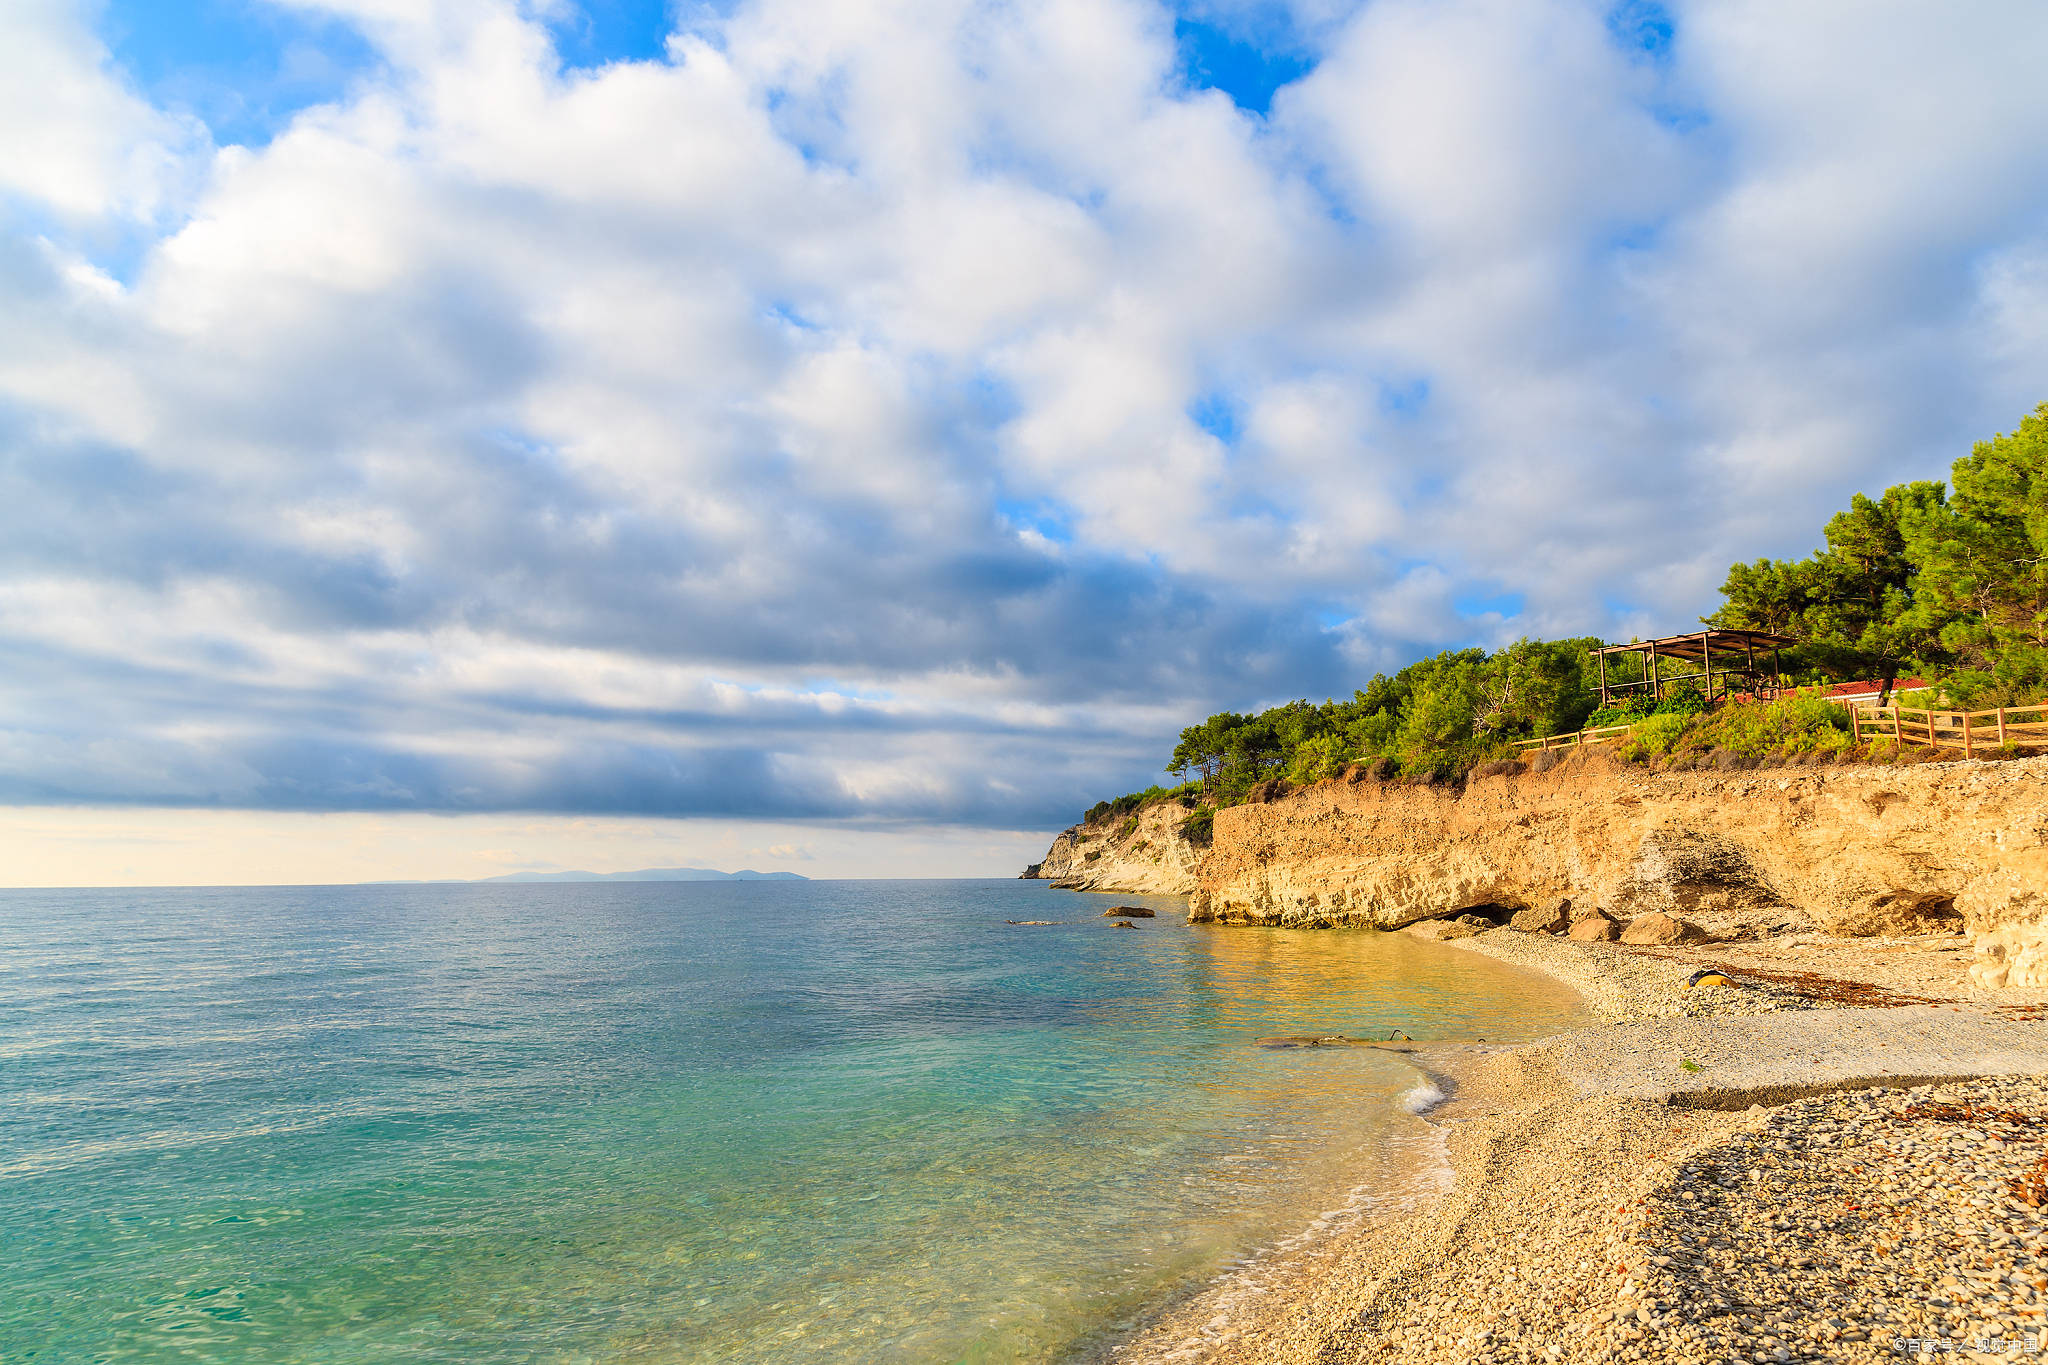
(1127, 828)
(1133, 802)
(1682, 700)
(1801, 722)
(1655, 736)
(1626, 712)
(1199, 828)
(1318, 758)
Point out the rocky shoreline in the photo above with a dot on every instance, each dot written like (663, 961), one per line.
(1841, 1154)
(1851, 850)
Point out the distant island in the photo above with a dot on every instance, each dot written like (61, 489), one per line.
(652, 874)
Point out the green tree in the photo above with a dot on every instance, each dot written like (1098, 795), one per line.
(1983, 565)
(1536, 687)
(1771, 594)
(1853, 604)
(1863, 619)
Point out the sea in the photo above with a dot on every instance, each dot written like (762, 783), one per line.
(684, 1122)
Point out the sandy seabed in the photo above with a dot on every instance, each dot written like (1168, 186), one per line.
(1842, 1156)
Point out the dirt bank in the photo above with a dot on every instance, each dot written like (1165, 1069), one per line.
(1853, 850)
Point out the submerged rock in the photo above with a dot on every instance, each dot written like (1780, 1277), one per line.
(1123, 924)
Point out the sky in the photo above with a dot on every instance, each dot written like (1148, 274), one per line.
(451, 437)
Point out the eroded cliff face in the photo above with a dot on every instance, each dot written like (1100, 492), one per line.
(1141, 855)
(1855, 850)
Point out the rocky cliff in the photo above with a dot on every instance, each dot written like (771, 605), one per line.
(1137, 854)
(1851, 850)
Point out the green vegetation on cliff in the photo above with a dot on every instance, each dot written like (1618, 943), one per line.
(1436, 717)
(1946, 581)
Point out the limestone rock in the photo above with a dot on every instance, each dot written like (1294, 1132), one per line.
(1751, 851)
(1744, 853)
(1596, 928)
(1144, 856)
(1660, 928)
(1441, 930)
(1536, 920)
(1896, 914)
(1685, 870)
(1134, 911)
(2012, 955)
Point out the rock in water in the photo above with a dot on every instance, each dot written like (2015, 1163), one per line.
(1536, 920)
(1596, 928)
(1134, 911)
(1659, 928)
(1311, 1040)
(1122, 924)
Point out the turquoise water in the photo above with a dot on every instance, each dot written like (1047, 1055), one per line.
(827, 1121)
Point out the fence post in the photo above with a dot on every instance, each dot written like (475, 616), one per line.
(1968, 752)
(2001, 727)
(1856, 722)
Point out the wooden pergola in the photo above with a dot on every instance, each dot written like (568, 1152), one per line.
(1739, 654)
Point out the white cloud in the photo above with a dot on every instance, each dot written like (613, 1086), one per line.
(74, 138)
(888, 409)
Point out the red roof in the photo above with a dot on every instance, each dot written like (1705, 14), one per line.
(1841, 691)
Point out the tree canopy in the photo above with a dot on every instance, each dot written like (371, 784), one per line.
(1435, 717)
(1923, 579)
(1946, 580)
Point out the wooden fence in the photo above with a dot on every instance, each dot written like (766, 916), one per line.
(1965, 730)
(1603, 735)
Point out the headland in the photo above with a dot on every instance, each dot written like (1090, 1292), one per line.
(1813, 1124)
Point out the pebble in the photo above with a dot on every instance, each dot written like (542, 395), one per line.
(1780, 1243)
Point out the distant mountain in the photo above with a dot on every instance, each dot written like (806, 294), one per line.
(652, 874)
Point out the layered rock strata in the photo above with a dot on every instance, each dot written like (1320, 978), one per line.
(1851, 850)
(1139, 855)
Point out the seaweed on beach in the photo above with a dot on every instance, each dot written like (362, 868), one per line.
(2030, 1186)
(1814, 986)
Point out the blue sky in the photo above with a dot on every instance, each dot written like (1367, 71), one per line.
(881, 426)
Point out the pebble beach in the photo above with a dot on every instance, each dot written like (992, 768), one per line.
(1840, 1155)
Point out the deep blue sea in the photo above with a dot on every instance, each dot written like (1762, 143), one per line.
(677, 1122)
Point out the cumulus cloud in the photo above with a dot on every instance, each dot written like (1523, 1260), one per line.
(917, 411)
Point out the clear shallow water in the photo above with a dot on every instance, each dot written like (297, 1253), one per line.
(674, 1122)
